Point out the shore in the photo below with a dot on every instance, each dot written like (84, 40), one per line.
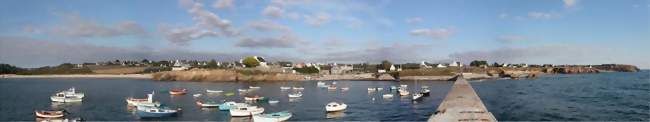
(135, 76)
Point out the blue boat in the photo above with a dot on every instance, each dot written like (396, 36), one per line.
(229, 105)
(155, 111)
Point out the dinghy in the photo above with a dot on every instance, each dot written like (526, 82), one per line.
(417, 96)
(254, 87)
(298, 88)
(230, 94)
(209, 104)
(253, 98)
(321, 84)
(197, 95)
(295, 95)
(334, 106)
(285, 88)
(345, 88)
(50, 114)
(379, 88)
(403, 92)
(242, 90)
(372, 89)
(425, 92)
(331, 87)
(155, 111)
(246, 111)
(213, 91)
(274, 101)
(178, 91)
(393, 87)
(272, 117)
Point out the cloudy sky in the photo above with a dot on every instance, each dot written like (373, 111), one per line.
(36, 33)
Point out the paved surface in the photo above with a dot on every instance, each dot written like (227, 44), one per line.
(462, 104)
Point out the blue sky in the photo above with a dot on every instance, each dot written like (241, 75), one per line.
(36, 33)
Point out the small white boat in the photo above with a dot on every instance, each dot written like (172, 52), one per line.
(197, 95)
(334, 83)
(404, 85)
(345, 88)
(285, 88)
(49, 114)
(272, 117)
(274, 101)
(298, 88)
(425, 92)
(334, 106)
(425, 87)
(331, 87)
(403, 92)
(321, 84)
(242, 90)
(231, 105)
(254, 87)
(253, 98)
(69, 95)
(208, 104)
(387, 96)
(393, 88)
(379, 88)
(295, 95)
(246, 111)
(417, 96)
(213, 91)
(142, 102)
(155, 112)
(372, 89)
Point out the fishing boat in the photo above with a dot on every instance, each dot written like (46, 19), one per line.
(229, 105)
(295, 95)
(155, 111)
(285, 88)
(142, 102)
(272, 117)
(178, 91)
(298, 88)
(334, 106)
(254, 87)
(403, 92)
(213, 91)
(246, 111)
(387, 96)
(417, 96)
(50, 114)
(197, 95)
(209, 104)
(69, 95)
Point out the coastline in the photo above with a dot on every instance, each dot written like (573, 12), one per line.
(134, 76)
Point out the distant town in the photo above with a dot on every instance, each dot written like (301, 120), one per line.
(256, 65)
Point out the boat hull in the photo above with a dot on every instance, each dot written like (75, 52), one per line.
(143, 114)
(42, 114)
(65, 100)
(241, 113)
(271, 117)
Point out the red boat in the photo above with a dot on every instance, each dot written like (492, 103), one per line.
(49, 114)
(178, 91)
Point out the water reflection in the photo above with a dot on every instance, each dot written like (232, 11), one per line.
(337, 114)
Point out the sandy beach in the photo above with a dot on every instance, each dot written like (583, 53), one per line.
(137, 76)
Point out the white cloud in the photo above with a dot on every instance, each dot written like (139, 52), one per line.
(75, 26)
(284, 41)
(539, 15)
(394, 53)
(414, 20)
(317, 19)
(206, 24)
(570, 3)
(503, 15)
(267, 25)
(223, 4)
(511, 38)
(440, 33)
(273, 11)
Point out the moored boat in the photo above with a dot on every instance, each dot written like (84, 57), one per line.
(213, 91)
(331, 87)
(242, 90)
(425, 92)
(178, 91)
(379, 88)
(298, 88)
(345, 88)
(334, 106)
(208, 104)
(246, 111)
(254, 87)
(393, 87)
(274, 101)
(142, 102)
(321, 84)
(403, 92)
(295, 95)
(197, 95)
(155, 111)
(272, 117)
(69, 95)
(417, 96)
(372, 89)
(387, 96)
(252, 98)
(285, 88)
(230, 105)
(50, 114)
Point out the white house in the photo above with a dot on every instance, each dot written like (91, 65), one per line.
(441, 66)
(178, 66)
(455, 64)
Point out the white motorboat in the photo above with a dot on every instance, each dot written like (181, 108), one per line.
(298, 88)
(403, 92)
(246, 111)
(379, 88)
(387, 96)
(295, 95)
(331, 87)
(272, 117)
(208, 104)
(321, 84)
(242, 90)
(334, 106)
(197, 95)
(254, 87)
(417, 96)
(274, 101)
(372, 89)
(345, 88)
(213, 91)
(230, 105)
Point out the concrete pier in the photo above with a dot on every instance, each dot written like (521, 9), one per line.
(462, 104)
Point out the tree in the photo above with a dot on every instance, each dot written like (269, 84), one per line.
(212, 64)
(250, 62)
(8, 69)
(477, 63)
(385, 65)
(145, 61)
(496, 64)
(307, 70)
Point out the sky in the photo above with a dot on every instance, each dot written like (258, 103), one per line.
(35, 33)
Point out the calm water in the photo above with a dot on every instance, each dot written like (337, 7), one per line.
(605, 96)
